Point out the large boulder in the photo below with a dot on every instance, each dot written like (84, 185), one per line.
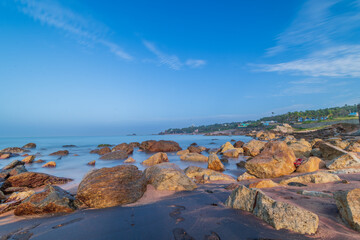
(156, 159)
(160, 146)
(168, 176)
(182, 152)
(310, 165)
(276, 160)
(134, 144)
(123, 147)
(12, 169)
(199, 174)
(329, 152)
(52, 199)
(339, 143)
(348, 160)
(114, 155)
(214, 163)
(29, 145)
(278, 214)
(108, 187)
(194, 157)
(301, 148)
(60, 153)
(348, 203)
(33, 180)
(14, 199)
(317, 177)
(253, 147)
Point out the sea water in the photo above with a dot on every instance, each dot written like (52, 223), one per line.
(76, 167)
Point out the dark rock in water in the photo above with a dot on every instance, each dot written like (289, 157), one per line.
(91, 163)
(160, 146)
(296, 184)
(60, 153)
(193, 149)
(181, 234)
(33, 180)
(39, 161)
(239, 144)
(104, 150)
(52, 200)
(95, 151)
(14, 150)
(29, 145)
(123, 147)
(212, 143)
(69, 146)
(193, 144)
(134, 144)
(104, 145)
(241, 164)
(109, 187)
(232, 140)
(115, 155)
(224, 159)
(13, 164)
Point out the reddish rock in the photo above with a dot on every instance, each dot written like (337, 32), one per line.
(39, 161)
(5, 155)
(52, 200)
(194, 149)
(49, 164)
(103, 150)
(60, 153)
(13, 150)
(91, 163)
(29, 159)
(160, 146)
(123, 147)
(108, 187)
(156, 159)
(239, 144)
(134, 144)
(33, 180)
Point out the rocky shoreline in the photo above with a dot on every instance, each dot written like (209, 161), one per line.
(295, 184)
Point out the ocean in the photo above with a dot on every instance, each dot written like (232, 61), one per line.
(76, 167)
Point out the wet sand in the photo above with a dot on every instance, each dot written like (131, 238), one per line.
(158, 213)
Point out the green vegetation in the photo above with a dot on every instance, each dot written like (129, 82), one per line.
(308, 116)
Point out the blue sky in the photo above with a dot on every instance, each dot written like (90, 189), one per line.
(87, 67)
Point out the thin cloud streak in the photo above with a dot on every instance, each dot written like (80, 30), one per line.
(172, 61)
(86, 32)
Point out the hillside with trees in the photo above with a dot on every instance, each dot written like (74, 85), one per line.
(326, 114)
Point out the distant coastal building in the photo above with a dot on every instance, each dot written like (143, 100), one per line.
(354, 114)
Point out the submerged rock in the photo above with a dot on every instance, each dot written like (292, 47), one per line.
(60, 153)
(92, 163)
(13, 150)
(156, 159)
(168, 176)
(114, 155)
(109, 187)
(317, 177)
(274, 161)
(348, 203)
(52, 199)
(29, 145)
(33, 180)
(278, 214)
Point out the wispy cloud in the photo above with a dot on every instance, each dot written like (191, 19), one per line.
(342, 61)
(86, 32)
(172, 61)
(324, 36)
(195, 63)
